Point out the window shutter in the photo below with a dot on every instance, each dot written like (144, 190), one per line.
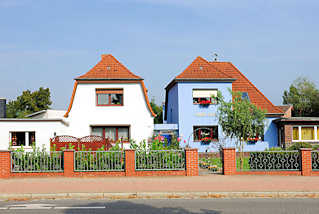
(197, 93)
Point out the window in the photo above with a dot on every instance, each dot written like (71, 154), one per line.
(295, 133)
(245, 96)
(112, 133)
(22, 138)
(204, 96)
(109, 97)
(205, 133)
(305, 133)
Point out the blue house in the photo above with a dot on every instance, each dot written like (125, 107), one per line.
(189, 105)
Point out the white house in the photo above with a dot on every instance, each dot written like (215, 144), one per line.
(108, 101)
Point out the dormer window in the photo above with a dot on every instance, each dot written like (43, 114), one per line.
(109, 97)
(245, 96)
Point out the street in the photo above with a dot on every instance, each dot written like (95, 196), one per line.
(188, 206)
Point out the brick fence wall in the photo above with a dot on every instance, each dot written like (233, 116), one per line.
(191, 169)
(229, 162)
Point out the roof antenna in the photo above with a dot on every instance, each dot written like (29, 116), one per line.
(215, 57)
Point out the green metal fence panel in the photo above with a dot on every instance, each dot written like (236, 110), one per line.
(37, 162)
(98, 161)
(160, 160)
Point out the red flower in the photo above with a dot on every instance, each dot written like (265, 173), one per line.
(204, 102)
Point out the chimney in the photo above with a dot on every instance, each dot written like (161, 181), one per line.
(3, 108)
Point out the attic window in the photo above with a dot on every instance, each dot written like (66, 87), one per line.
(109, 97)
(245, 96)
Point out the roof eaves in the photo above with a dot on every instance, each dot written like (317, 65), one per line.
(205, 79)
(36, 113)
(111, 79)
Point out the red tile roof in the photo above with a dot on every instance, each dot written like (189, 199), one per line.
(244, 85)
(201, 69)
(109, 68)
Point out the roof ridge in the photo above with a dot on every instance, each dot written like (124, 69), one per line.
(120, 64)
(254, 86)
(100, 70)
(207, 63)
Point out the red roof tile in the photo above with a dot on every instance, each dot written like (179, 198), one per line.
(109, 68)
(201, 69)
(244, 85)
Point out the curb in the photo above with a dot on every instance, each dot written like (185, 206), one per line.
(157, 195)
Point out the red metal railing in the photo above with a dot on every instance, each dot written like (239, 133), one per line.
(91, 142)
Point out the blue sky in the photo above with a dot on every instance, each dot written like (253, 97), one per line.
(49, 43)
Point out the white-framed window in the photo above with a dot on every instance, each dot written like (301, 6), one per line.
(21, 138)
(305, 133)
(204, 96)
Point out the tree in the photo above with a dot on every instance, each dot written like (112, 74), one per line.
(158, 110)
(304, 96)
(29, 102)
(240, 120)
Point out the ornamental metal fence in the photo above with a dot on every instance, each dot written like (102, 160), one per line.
(95, 161)
(160, 160)
(315, 160)
(37, 162)
(269, 161)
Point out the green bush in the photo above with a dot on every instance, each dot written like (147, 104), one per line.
(36, 161)
(299, 145)
(315, 147)
(274, 149)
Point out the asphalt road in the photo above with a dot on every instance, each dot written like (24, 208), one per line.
(176, 206)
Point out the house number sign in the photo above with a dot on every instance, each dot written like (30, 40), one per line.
(205, 114)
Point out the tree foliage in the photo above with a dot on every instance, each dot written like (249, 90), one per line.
(29, 102)
(158, 110)
(304, 96)
(240, 119)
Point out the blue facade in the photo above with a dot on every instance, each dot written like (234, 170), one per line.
(182, 111)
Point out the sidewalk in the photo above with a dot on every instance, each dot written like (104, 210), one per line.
(128, 187)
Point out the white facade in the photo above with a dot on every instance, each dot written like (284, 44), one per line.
(44, 130)
(134, 113)
(128, 118)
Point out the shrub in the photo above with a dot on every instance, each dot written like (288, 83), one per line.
(299, 145)
(274, 149)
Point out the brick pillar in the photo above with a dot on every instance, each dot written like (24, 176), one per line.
(129, 162)
(306, 165)
(191, 162)
(5, 161)
(68, 162)
(229, 161)
(288, 135)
